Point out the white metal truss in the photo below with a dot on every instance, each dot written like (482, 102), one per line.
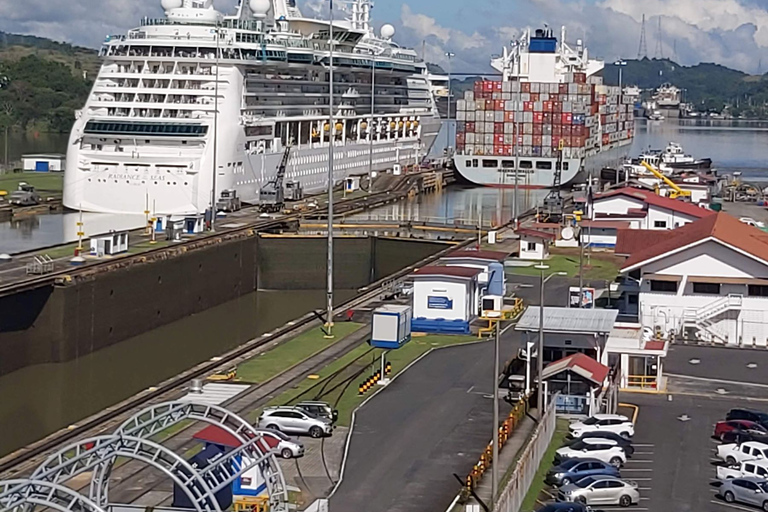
(26, 494)
(131, 440)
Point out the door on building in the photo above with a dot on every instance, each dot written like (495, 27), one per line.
(41, 166)
(642, 372)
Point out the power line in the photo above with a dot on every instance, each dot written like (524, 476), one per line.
(642, 51)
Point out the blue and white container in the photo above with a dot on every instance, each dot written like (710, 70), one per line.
(391, 326)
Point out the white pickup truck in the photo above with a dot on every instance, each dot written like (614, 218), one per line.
(733, 453)
(758, 468)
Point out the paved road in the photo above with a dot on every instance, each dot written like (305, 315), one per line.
(432, 421)
(724, 363)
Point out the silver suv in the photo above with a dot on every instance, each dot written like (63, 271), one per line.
(320, 409)
(295, 420)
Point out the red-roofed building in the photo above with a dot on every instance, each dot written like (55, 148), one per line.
(534, 244)
(643, 209)
(580, 380)
(706, 280)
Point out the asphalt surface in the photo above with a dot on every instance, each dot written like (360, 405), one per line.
(432, 421)
(555, 290)
(723, 363)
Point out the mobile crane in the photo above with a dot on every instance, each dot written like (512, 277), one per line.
(675, 192)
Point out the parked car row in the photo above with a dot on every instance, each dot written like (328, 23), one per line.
(312, 418)
(587, 467)
(744, 455)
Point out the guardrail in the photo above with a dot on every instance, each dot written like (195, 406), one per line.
(643, 381)
(512, 496)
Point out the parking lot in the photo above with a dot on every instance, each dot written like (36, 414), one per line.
(674, 460)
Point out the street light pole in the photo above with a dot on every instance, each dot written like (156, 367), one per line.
(495, 462)
(540, 356)
(331, 136)
(450, 55)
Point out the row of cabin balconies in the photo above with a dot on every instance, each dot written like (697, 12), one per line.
(151, 113)
(155, 99)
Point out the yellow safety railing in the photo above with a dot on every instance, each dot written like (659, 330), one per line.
(508, 313)
(505, 432)
(643, 381)
(250, 504)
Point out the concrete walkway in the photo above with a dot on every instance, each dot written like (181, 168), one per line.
(507, 458)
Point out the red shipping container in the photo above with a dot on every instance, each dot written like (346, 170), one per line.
(547, 106)
(498, 150)
(498, 128)
(547, 117)
(460, 147)
(534, 96)
(497, 85)
(470, 127)
(509, 117)
(487, 86)
(567, 130)
(528, 106)
(562, 88)
(498, 105)
(606, 139)
(538, 129)
(488, 104)
(603, 117)
(498, 139)
(538, 117)
(567, 118)
(507, 149)
(537, 140)
(478, 86)
(460, 138)
(525, 87)
(557, 106)
(557, 130)
(566, 141)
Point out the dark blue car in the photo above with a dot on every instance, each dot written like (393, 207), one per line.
(573, 470)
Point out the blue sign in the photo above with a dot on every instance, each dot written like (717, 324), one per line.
(439, 303)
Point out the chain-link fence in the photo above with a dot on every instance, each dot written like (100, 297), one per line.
(512, 496)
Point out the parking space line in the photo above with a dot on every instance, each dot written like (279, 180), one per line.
(633, 509)
(644, 461)
(643, 453)
(548, 493)
(643, 488)
(644, 445)
(642, 479)
(634, 469)
(737, 507)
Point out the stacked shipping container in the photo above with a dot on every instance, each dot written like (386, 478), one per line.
(536, 119)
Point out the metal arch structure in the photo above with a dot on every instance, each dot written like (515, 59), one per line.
(92, 453)
(158, 417)
(18, 495)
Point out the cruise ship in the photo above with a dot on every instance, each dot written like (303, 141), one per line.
(549, 120)
(196, 91)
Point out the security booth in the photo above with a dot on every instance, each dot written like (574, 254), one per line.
(579, 382)
(534, 245)
(194, 224)
(569, 331)
(217, 442)
(445, 299)
(492, 279)
(110, 244)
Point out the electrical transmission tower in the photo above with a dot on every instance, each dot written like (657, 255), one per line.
(659, 50)
(642, 52)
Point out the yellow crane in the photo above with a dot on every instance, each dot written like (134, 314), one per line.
(675, 191)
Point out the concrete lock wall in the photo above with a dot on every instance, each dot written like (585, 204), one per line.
(56, 324)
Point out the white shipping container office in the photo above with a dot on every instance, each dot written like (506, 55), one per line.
(445, 299)
(109, 244)
(707, 280)
(43, 162)
(644, 209)
(391, 326)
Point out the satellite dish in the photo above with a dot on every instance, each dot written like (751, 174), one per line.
(387, 31)
(170, 4)
(567, 233)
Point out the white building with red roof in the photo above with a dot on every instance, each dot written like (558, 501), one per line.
(707, 280)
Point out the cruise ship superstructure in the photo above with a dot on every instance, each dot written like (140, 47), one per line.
(197, 90)
(550, 112)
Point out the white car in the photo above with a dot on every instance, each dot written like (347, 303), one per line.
(605, 450)
(733, 453)
(749, 221)
(758, 468)
(603, 423)
(287, 448)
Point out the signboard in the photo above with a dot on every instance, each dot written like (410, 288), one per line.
(439, 303)
(587, 298)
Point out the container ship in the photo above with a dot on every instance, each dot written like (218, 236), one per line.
(195, 103)
(549, 120)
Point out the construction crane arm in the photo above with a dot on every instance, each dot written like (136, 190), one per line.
(676, 190)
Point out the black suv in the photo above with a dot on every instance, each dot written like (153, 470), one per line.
(613, 436)
(749, 415)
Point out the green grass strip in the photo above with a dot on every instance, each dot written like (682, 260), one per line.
(561, 430)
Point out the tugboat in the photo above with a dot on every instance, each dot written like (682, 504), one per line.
(673, 158)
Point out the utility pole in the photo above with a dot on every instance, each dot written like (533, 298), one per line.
(642, 51)
(450, 55)
(331, 130)
(495, 462)
(659, 48)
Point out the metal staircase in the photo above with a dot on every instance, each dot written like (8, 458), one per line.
(702, 319)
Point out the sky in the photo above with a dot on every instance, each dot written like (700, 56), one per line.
(729, 32)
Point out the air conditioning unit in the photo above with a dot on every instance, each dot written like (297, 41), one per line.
(491, 303)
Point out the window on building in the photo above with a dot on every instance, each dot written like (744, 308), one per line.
(508, 164)
(526, 164)
(663, 286)
(660, 224)
(757, 290)
(490, 164)
(543, 165)
(563, 167)
(708, 288)
(474, 162)
(531, 246)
